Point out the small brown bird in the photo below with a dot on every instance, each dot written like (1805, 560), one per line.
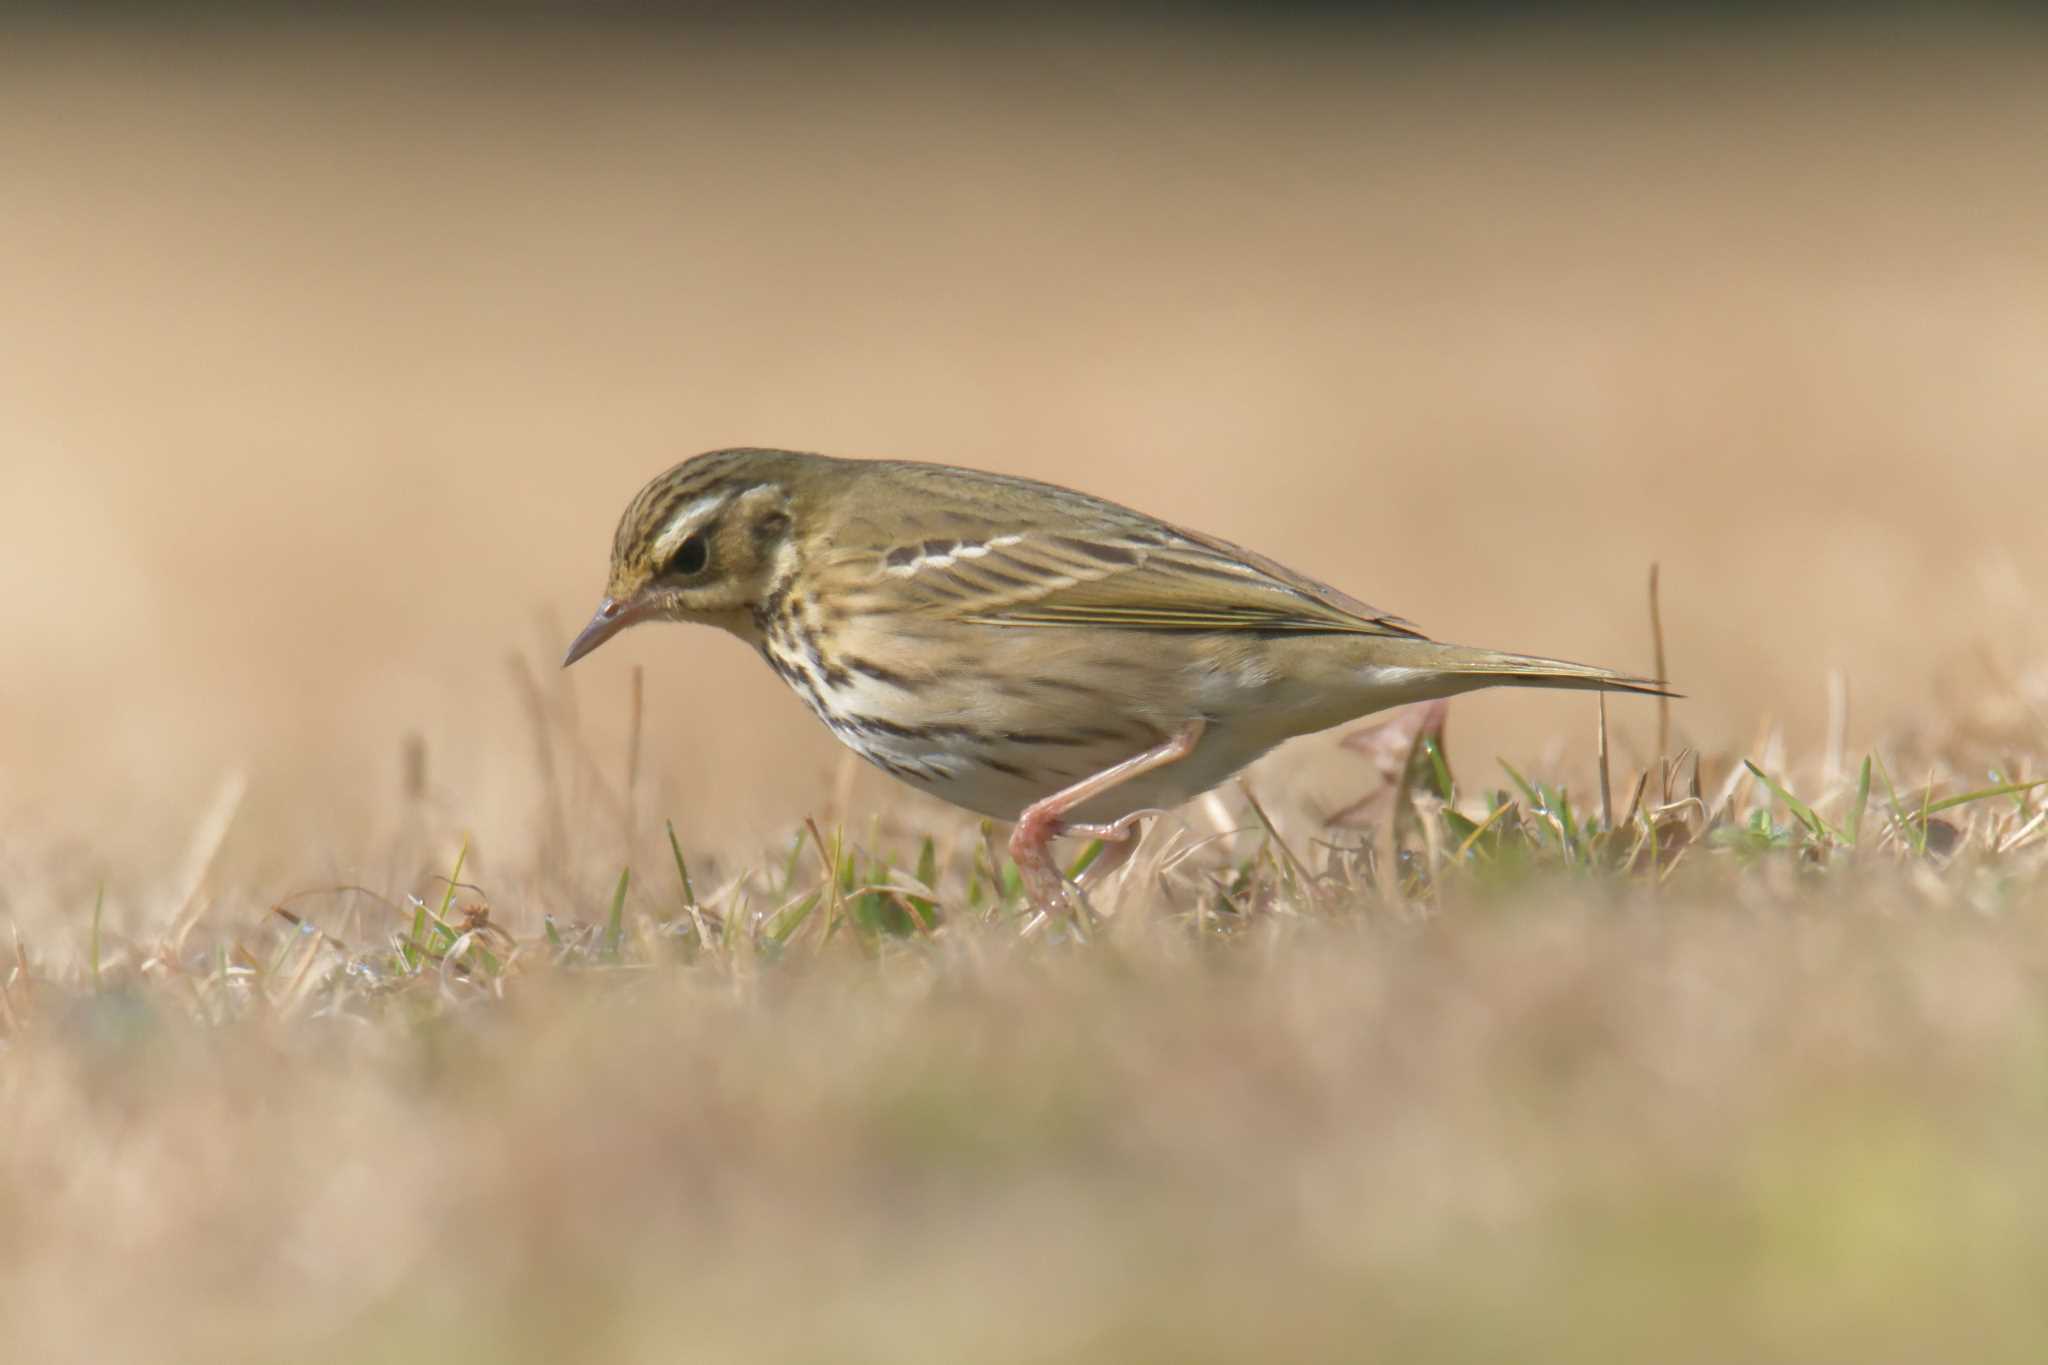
(1018, 648)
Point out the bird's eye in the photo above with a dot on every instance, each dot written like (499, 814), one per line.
(691, 556)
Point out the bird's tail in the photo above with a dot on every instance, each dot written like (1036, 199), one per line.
(1468, 669)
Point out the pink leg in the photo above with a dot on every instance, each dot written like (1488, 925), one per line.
(1119, 842)
(1041, 822)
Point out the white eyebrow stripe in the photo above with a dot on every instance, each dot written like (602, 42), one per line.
(685, 521)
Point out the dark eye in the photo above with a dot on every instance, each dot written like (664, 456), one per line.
(690, 556)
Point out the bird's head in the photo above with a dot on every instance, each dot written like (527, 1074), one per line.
(705, 542)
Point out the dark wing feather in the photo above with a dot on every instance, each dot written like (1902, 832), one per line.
(1159, 580)
(1002, 551)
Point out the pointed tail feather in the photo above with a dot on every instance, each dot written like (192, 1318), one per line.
(1476, 668)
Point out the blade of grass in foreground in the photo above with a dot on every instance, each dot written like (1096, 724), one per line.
(1916, 836)
(615, 922)
(1539, 808)
(682, 868)
(1805, 814)
(413, 952)
(791, 918)
(1981, 794)
(454, 880)
(1853, 827)
(1478, 831)
(928, 878)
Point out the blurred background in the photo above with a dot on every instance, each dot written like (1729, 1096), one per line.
(332, 352)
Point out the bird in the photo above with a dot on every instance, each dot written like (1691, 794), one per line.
(1021, 649)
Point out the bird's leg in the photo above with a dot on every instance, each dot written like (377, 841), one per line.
(1119, 842)
(1042, 821)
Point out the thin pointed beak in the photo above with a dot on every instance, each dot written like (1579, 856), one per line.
(612, 617)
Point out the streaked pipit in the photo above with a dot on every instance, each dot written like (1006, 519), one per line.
(1017, 648)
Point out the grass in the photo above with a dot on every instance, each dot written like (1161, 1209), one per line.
(1739, 1065)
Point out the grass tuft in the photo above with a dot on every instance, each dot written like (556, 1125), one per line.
(1412, 1048)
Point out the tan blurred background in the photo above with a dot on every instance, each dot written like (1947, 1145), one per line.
(330, 357)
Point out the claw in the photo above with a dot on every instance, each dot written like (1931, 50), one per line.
(1042, 822)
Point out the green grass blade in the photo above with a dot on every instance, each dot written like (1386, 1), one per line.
(1522, 784)
(1537, 801)
(615, 922)
(682, 868)
(410, 952)
(1982, 794)
(1438, 767)
(1916, 838)
(1421, 768)
(791, 918)
(454, 877)
(925, 907)
(796, 851)
(1458, 825)
(1805, 814)
(1469, 842)
(1566, 818)
(1853, 827)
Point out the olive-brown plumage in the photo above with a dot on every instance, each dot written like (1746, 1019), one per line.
(1021, 649)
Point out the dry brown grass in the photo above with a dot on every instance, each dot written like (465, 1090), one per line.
(1741, 1078)
(331, 357)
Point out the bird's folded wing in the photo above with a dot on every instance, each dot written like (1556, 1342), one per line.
(1154, 578)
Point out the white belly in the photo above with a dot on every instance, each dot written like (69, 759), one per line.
(1000, 780)
(972, 760)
